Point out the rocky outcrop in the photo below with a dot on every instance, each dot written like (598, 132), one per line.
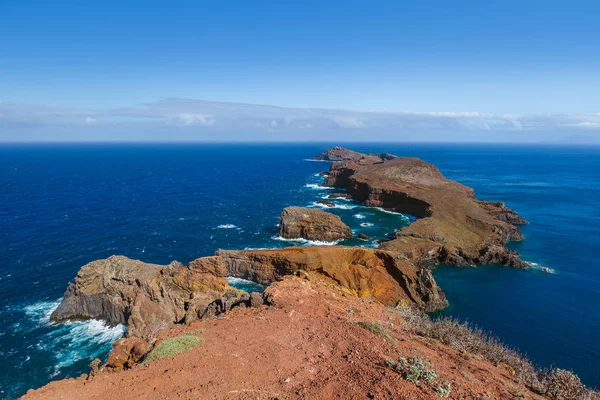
(312, 224)
(452, 225)
(147, 297)
(363, 272)
(341, 154)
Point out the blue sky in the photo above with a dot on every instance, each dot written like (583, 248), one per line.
(96, 64)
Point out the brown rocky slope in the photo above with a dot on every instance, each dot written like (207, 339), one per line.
(314, 342)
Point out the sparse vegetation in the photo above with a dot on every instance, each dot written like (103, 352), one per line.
(196, 332)
(557, 384)
(376, 329)
(172, 347)
(417, 370)
(443, 390)
(561, 384)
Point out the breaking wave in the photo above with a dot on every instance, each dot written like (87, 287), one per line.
(307, 242)
(317, 187)
(539, 267)
(226, 226)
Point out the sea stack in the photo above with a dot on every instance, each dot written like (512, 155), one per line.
(312, 224)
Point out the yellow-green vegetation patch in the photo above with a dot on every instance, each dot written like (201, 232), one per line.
(376, 329)
(172, 347)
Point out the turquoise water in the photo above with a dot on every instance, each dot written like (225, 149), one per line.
(65, 205)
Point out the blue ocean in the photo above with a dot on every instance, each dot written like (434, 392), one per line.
(62, 206)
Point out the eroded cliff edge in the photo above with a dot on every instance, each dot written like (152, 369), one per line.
(452, 226)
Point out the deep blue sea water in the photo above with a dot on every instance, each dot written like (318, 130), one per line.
(62, 206)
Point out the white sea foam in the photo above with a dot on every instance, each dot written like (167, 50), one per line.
(71, 341)
(359, 216)
(366, 224)
(539, 267)
(308, 242)
(314, 186)
(226, 226)
(309, 159)
(346, 206)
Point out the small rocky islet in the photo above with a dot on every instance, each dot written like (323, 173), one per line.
(305, 336)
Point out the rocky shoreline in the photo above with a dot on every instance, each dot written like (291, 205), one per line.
(452, 227)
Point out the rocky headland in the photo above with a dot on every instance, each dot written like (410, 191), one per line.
(312, 224)
(334, 321)
(452, 226)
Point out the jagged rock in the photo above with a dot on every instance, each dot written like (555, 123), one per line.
(327, 203)
(126, 352)
(312, 224)
(362, 236)
(338, 196)
(451, 224)
(360, 271)
(145, 297)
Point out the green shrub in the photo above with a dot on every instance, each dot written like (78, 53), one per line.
(172, 347)
(443, 390)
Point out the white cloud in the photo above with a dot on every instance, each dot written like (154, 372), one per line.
(254, 121)
(187, 119)
(91, 121)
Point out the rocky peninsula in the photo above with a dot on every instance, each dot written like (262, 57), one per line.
(334, 321)
(452, 226)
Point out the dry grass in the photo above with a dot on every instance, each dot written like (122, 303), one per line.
(557, 384)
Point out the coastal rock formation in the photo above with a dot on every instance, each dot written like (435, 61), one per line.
(452, 226)
(316, 342)
(147, 297)
(312, 224)
(341, 154)
(360, 271)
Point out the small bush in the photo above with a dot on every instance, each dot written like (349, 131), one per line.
(376, 329)
(172, 347)
(417, 370)
(561, 384)
(443, 390)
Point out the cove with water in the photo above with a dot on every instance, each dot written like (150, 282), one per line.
(65, 205)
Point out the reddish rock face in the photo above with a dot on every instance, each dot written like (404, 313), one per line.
(452, 227)
(312, 224)
(360, 271)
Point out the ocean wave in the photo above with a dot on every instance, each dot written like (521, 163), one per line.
(346, 206)
(539, 267)
(306, 241)
(245, 284)
(309, 159)
(70, 342)
(366, 224)
(359, 216)
(314, 186)
(227, 226)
